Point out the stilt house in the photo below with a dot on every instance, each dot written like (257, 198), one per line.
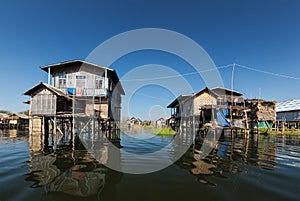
(75, 89)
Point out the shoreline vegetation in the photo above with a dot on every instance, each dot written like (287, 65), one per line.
(273, 132)
(170, 131)
(153, 129)
(290, 132)
(163, 131)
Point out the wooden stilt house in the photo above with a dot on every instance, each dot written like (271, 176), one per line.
(77, 92)
(206, 107)
(221, 107)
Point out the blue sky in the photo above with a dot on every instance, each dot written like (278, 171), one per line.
(259, 34)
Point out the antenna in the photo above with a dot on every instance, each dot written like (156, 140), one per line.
(232, 81)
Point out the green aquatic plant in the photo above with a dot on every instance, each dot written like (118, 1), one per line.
(163, 131)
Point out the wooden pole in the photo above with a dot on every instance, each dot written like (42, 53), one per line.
(54, 133)
(194, 125)
(93, 116)
(49, 73)
(43, 125)
(73, 122)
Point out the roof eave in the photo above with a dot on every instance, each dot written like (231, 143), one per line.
(58, 92)
(45, 68)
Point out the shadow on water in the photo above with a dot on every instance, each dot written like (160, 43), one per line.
(229, 156)
(69, 172)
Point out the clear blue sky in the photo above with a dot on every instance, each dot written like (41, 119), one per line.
(260, 34)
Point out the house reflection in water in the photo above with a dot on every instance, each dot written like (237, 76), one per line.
(231, 155)
(68, 170)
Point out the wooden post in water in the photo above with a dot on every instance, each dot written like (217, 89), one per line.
(46, 137)
(213, 121)
(63, 129)
(257, 128)
(93, 115)
(72, 131)
(54, 133)
(73, 122)
(43, 125)
(194, 128)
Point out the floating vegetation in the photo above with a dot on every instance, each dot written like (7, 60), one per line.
(163, 131)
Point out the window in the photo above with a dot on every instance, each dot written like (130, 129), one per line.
(80, 77)
(63, 76)
(99, 82)
(62, 83)
(80, 81)
(62, 80)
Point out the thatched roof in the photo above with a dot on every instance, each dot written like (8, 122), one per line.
(262, 110)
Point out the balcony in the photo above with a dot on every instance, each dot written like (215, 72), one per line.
(85, 91)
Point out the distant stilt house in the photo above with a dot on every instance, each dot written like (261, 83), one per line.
(221, 107)
(13, 121)
(135, 121)
(160, 123)
(81, 94)
(288, 114)
(3, 119)
(18, 121)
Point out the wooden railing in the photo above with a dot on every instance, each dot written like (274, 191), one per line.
(85, 91)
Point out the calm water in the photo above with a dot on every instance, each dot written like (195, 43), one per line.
(237, 169)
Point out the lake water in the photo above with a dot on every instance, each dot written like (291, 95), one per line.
(267, 168)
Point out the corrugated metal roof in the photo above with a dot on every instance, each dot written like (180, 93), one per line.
(289, 105)
(180, 98)
(224, 91)
(45, 68)
(51, 88)
(216, 92)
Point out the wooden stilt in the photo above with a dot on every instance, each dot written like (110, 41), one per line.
(54, 133)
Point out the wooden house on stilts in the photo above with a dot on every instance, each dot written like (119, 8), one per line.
(206, 106)
(220, 108)
(79, 97)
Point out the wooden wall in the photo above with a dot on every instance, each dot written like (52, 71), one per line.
(43, 103)
(191, 107)
(203, 99)
(35, 124)
(101, 107)
(72, 82)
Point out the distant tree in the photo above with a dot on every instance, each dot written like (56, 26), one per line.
(147, 123)
(6, 112)
(26, 112)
